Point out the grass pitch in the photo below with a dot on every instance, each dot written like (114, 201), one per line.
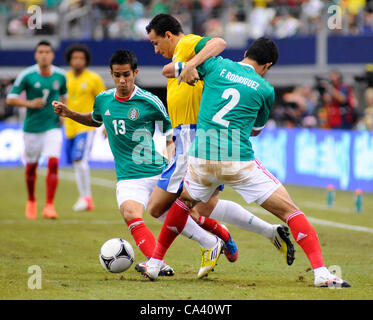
(67, 250)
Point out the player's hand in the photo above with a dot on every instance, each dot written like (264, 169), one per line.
(104, 133)
(188, 75)
(60, 108)
(37, 103)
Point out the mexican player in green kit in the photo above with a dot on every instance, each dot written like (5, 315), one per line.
(235, 104)
(130, 114)
(43, 83)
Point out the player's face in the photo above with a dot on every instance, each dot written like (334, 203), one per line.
(44, 55)
(162, 45)
(78, 61)
(124, 78)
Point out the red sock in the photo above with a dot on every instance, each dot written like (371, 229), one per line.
(305, 235)
(173, 225)
(31, 180)
(52, 179)
(144, 238)
(214, 227)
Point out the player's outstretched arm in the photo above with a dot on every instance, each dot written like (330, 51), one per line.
(84, 118)
(32, 104)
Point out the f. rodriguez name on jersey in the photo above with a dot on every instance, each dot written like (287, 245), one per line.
(239, 79)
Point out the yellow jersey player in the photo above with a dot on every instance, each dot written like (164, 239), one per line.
(183, 101)
(83, 86)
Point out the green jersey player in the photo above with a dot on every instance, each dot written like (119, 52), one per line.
(43, 83)
(130, 114)
(235, 104)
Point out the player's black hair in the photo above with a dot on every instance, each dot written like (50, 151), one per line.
(124, 57)
(43, 43)
(164, 22)
(263, 50)
(80, 48)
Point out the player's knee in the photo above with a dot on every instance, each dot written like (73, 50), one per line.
(129, 213)
(154, 210)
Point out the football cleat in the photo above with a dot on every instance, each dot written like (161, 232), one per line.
(84, 204)
(330, 281)
(230, 248)
(49, 211)
(31, 210)
(210, 258)
(165, 271)
(281, 240)
(151, 271)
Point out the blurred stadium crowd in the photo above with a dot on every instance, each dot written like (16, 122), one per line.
(330, 103)
(97, 19)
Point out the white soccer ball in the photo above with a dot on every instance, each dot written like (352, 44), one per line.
(116, 255)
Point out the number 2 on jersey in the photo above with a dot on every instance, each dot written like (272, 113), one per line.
(119, 126)
(218, 117)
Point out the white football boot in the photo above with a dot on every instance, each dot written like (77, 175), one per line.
(324, 278)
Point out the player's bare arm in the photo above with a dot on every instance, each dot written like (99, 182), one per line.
(212, 48)
(255, 133)
(32, 104)
(84, 118)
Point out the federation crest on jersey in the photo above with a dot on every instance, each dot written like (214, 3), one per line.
(133, 114)
(56, 85)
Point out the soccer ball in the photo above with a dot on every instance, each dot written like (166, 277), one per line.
(116, 255)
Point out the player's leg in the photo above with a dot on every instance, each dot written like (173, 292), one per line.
(170, 185)
(201, 213)
(51, 150)
(80, 154)
(132, 199)
(281, 205)
(33, 147)
(159, 203)
(233, 213)
(268, 192)
(174, 224)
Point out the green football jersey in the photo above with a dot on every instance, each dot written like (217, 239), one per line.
(235, 100)
(130, 126)
(36, 85)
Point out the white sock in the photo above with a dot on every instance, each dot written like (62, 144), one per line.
(234, 214)
(83, 178)
(194, 232)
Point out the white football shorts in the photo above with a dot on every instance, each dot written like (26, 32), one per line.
(249, 178)
(47, 144)
(138, 190)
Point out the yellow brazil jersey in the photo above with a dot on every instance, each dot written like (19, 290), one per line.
(183, 100)
(82, 91)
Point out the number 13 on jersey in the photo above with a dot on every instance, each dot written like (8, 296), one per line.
(119, 126)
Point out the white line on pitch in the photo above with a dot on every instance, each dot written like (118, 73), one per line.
(102, 182)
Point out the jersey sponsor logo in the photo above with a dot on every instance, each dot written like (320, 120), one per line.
(107, 113)
(84, 86)
(37, 85)
(133, 114)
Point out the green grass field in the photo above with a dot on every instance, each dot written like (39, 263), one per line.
(67, 250)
